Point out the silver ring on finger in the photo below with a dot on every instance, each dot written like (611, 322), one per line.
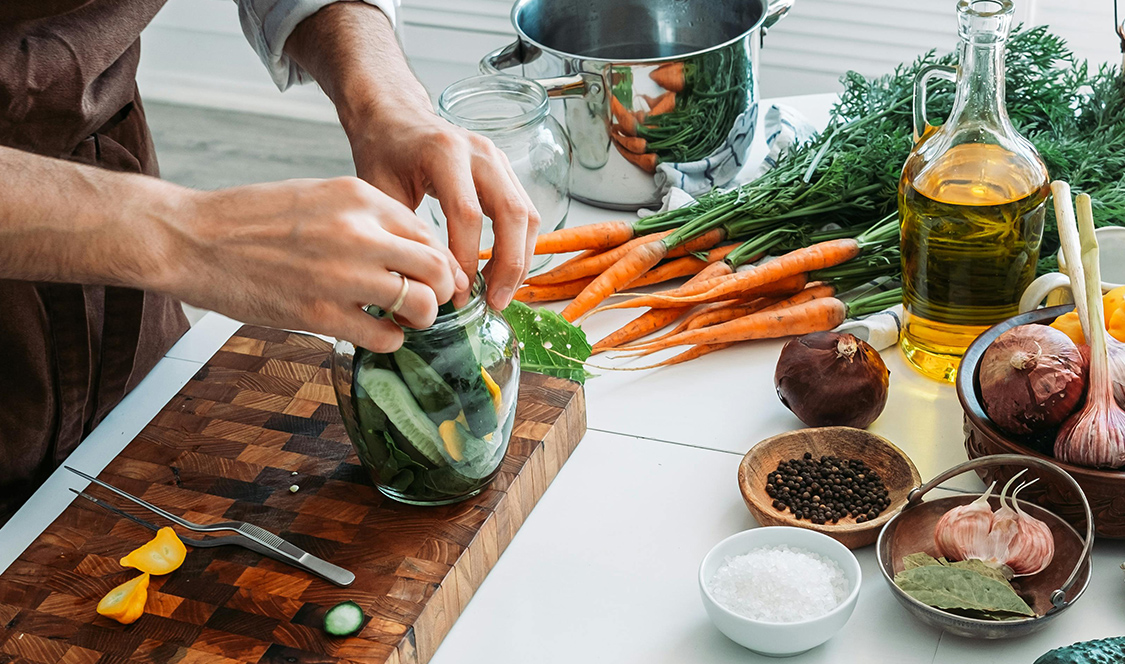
(391, 310)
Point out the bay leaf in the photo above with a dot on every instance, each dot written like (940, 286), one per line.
(956, 588)
(923, 559)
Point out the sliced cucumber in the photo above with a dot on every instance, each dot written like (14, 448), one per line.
(388, 391)
(434, 395)
(344, 619)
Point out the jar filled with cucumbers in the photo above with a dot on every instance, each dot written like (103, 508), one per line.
(430, 422)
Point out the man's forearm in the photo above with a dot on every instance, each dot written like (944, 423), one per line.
(61, 221)
(331, 43)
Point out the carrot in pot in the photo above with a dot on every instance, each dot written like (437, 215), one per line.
(552, 292)
(646, 162)
(666, 102)
(669, 76)
(625, 119)
(654, 319)
(630, 143)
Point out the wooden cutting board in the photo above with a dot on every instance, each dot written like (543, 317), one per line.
(225, 448)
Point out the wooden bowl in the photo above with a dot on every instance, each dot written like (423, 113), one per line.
(1105, 489)
(1048, 593)
(894, 467)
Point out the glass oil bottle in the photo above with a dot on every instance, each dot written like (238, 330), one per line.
(971, 201)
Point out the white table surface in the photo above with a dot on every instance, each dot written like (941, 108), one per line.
(604, 569)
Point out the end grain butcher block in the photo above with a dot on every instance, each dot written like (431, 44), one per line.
(224, 448)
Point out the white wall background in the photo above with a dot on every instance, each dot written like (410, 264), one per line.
(194, 52)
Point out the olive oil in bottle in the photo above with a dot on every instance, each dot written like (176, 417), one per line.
(971, 202)
(971, 226)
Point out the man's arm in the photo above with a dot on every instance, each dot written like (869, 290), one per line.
(402, 147)
(303, 254)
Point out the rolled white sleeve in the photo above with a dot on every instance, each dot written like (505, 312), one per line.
(267, 25)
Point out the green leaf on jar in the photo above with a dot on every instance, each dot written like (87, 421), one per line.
(548, 343)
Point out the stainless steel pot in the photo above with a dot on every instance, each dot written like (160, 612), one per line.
(642, 82)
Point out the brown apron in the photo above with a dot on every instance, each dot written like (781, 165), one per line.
(68, 352)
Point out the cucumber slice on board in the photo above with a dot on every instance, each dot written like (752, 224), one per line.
(344, 619)
(392, 395)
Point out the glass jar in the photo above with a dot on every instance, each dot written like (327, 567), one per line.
(971, 200)
(431, 421)
(513, 113)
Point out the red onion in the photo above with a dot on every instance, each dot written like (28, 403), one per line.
(832, 379)
(1032, 377)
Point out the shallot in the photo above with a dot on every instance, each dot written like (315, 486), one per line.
(1032, 377)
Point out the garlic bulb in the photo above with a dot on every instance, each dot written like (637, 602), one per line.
(1008, 539)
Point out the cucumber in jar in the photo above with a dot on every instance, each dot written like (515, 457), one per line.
(391, 394)
(457, 364)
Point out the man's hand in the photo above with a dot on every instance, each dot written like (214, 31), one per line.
(402, 147)
(308, 254)
(303, 254)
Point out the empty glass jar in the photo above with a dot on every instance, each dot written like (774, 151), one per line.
(513, 113)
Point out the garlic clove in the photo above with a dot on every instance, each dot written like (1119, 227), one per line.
(964, 530)
(1033, 548)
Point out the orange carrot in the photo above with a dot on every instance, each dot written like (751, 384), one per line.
(552, 292)
(618, 276)
(806, 259)
(645, 162)
(682, 267)
(814, 316)
(574, 269)
(669, 76)
(625, 120)
(605, 235)
(770, 297)
(630, 143)
(689, 354)
(654, 319)
(666, 102)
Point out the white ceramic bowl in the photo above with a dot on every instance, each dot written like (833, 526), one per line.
(771, 638)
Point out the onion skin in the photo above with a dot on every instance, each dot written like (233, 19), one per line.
(832, 379)
(1032, 378)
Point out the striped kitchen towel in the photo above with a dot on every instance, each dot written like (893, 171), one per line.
(784, 128)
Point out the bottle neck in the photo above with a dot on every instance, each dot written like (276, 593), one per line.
(980, 86)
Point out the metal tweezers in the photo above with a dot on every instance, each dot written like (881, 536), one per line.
(246, 535)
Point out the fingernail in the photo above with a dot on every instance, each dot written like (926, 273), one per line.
(503, 297)
(461, 280)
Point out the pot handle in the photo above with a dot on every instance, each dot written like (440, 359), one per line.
(514, 54)
(775, 11)
(1058, 597)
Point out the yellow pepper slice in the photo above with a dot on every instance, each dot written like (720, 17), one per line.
(160, 555)
(493, 389)
(1112, 301)
(1069, 325)
(1115, 325)
(126, 602)
(454, 445)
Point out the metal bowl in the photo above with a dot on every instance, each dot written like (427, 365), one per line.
(1049, 592)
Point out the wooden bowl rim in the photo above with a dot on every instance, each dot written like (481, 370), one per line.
(968, 383)
(828, 528)
(921, 606)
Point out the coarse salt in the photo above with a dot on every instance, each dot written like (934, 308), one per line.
(779, 584)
